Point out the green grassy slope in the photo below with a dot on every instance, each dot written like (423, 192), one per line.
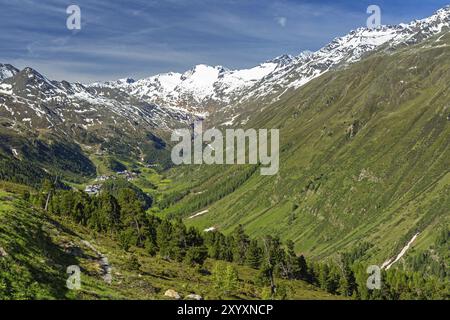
(36, 250)
(381, 184)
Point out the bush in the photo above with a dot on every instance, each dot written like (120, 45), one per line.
(225, 278)
(133, 263)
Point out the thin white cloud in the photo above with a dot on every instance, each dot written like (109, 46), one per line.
(281, 21)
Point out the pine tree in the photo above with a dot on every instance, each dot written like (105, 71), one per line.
(334, 279)
(193, 237)
(151, 225)
(240, 243)
(225, 278)
(179, 240)
(323, 276)
(292, 262)
(224, 245)
(163, 239)
(254, 255)
(47, 190)
(106, 216)
(347, 282)
(273, 258)
(303, 269)
(218, 275)
(211, 241)
(126, 238)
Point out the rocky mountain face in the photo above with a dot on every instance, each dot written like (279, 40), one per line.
(7, 71)
(195, 88)
(37, 99)
(55, 124)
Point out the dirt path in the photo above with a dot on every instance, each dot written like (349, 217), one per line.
(102, 261)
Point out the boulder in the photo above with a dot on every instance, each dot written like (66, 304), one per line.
(172, 294)
(194, 297)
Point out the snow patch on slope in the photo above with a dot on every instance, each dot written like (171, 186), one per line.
(388, 263)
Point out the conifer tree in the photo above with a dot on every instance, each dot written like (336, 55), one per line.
(324, 271)
(292, 266)
(179, 240)
(240, 243)
(163, 239)
(106, 216)
(254, 255)
(273, 257)
(303, 269)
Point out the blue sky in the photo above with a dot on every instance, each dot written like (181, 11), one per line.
(138, 38)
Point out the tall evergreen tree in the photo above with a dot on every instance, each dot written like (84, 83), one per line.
(303, 269)
(240, 243)
(273, 258)
(179, 239)
(163, 239)
(292, 266)
(196, 255)
(324, 271)
(231, 280)
(254, 255)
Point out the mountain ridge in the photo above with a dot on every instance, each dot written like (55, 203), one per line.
(228, 88)
(204, 90)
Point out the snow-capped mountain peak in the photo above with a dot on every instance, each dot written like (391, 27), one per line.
(204, 89)
(345, 50)
(205, 86)
(7, 71)
(282, 60)
(438, 20)
(194, 87)
(199, 81)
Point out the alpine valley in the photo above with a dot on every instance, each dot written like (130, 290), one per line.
(86, 177)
